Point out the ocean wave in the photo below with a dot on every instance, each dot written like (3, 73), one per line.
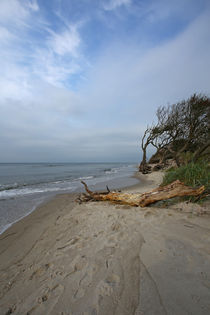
(107, 170)
(61, 182)
(53, 165)
(46, 165)
(6, 226)
(9, 187)
(7, 194)
(22, 185)
(86, 177)
(111, 170)
(15, 189)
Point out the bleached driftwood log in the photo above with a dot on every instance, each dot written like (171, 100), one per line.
(174, 189)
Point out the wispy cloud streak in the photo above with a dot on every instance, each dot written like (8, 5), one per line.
(68, 82)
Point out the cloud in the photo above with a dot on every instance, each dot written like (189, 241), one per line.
(114, 4)
(5, 35)
(43, 116)
(33, 5)
(161, 10)
(31, 49)
(133, 79)
(12, 10)
(17, 12)
(52, 69)
(66, 42)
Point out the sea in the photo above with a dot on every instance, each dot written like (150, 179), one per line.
(24, 186)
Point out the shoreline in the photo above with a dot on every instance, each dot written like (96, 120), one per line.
(101, 258)
(77, 191)
(48, 199)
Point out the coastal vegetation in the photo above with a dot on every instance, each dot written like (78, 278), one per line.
(181, 137)
(192, 174)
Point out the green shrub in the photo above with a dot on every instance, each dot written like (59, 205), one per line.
(186, 157)
(192, 174)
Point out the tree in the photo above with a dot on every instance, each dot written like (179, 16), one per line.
(147, 139)
(181, 127)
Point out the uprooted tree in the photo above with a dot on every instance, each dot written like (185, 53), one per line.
(180, 128)
(174, 189)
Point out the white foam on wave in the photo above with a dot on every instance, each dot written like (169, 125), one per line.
(113, 171)
(27, 191)
(87, 177)
(8, 225)
(5, 227)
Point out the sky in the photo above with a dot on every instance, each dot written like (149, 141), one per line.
(80, 80)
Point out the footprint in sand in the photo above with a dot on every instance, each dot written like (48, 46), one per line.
(104, 289)
(76, 265)
(79, 293)
(41, 301)
(113, 279)
(70, 243)
(116, 226)
(40, 271)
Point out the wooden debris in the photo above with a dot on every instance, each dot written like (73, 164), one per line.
(174, 189)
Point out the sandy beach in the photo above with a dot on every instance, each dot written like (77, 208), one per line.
(100, 258)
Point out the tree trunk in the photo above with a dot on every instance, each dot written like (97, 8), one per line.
(161, 193)
(144, 159)
(197, 153)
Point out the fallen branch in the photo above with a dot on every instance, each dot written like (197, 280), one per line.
(174, 189)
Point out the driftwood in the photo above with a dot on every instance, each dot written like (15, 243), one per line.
(174, 189)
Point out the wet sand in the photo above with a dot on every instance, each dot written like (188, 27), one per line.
(100, 258)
